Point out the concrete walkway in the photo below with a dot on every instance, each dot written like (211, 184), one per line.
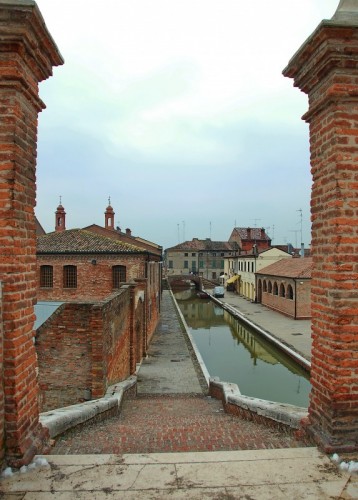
(281, 473)
(168, 368)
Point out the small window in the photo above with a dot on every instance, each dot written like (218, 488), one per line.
(186, 255)
(170, 264)
(46, 276)
(186, 264)
(119, 275)
(70, 277)
(201, 263)
(193, 254)
(222, 254)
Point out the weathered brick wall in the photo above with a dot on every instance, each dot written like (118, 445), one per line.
(326, 68)
(27, 54)
(116, 334)
(153, 298)
(94, 281)
(2, 401)
(85, 346)
(64, 350)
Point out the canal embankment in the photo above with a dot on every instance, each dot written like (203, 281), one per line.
(290, 333)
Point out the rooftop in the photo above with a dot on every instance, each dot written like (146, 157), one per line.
(81, 241)
(290, 268)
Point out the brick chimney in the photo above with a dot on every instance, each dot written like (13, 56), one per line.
(128, 232)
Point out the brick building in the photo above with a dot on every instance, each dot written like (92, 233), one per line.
(248, 238)
(108, 293)
(285, 286)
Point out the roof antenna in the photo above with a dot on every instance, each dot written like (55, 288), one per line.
(109, 200)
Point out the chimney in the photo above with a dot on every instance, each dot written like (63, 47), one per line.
(128, 232)
(249, 233)
(263, 233)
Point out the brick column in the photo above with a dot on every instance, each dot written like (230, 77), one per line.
(326, 69)
(27, 55)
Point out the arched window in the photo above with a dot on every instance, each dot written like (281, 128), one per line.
(282, 290)
(69, 277)
(46, 276)
(290, 292)
(275, 288)
(118, 275)
(265, 286)
(269, 287)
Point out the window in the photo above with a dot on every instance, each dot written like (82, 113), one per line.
(289, 292)
(193, 254)
(269, 287)
(282, 290)
(69, 276)
(265, 286)
(186, 255)
(201, 263)
(193, 265)
(222, 264)
(119, 275)
(186, 264)
(222, 254)
(46, 276)
(213, 264)
(214, 254)
(275, 288)
(170, 264)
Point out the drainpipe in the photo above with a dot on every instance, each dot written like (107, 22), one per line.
(295, 316)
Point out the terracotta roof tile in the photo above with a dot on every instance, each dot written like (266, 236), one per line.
(81, 241)
(256, 233)
(289, 268)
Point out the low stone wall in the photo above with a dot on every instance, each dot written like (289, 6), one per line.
(278, 415)
(60, 420)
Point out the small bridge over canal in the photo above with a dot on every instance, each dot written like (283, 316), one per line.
(184, 280)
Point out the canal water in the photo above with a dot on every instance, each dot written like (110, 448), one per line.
(235, 353)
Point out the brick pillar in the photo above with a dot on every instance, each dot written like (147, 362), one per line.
(27, 55)
(326, 69)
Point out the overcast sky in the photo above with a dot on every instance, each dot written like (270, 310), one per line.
(177, 110)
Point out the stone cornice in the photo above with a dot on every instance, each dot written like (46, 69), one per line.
(23, 30)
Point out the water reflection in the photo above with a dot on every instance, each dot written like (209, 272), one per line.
(237, 354)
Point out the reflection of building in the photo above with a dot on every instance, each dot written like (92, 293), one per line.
(286, 287)
(205, 257)
(260, 348)
(201, 313)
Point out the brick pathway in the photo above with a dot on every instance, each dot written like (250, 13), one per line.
(171, 424)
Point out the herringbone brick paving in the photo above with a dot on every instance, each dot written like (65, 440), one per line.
(172, 424)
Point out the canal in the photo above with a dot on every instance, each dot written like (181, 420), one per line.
(235, 353)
